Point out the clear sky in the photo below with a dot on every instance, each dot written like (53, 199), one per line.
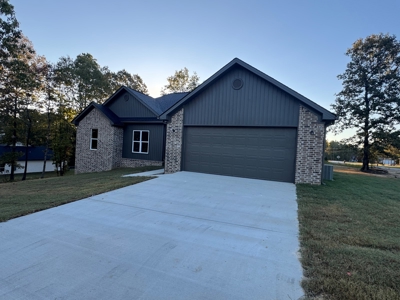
(300, 43)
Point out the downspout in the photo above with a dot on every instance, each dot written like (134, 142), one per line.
(164, 141)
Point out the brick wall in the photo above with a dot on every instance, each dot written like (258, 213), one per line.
(109, 151)
(134, 163)
(310, 143)
(173, 149)
(104, 158)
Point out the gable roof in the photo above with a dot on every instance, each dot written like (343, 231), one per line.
(114, 120)
(326, 115)
(147, 101)
(156, 105)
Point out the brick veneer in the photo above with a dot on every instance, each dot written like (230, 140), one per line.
(310, 144)
(109, 153)
(134, 163)
(173, 147)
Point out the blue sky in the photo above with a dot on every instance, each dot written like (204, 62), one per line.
(300, 43)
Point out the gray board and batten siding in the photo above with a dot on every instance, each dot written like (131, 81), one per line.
(257, 103)
(127, 106)
(156, 140)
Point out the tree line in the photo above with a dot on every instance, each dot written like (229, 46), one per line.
(39, 99)
(350, 152)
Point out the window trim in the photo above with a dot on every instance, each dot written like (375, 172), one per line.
(140, 141)
(94, 139)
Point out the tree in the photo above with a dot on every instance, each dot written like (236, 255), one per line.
(63, 138)
(61, 95)
(370, 98)
(82, 80)
(340, 151)
(47, 104)
(9, 32)
(9, 37)
(124, 78)
(181, 82)
(19, 77)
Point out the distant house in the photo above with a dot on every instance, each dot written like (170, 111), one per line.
(35, 160)
(388, 161)
(239, 122)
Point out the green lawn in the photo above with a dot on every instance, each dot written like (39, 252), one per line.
(350, 237)
(24, 197)
(358, 165)
(17, 177)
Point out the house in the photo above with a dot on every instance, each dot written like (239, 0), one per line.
(388, 161)
(35, 159)
(125, 131)
(239, 122)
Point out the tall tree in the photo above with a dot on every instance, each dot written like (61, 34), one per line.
(370, 98)
(47, 104)
(9, 37)
(9, 32)
(62, 104)
(124, 78)
(88, 79)
(18, 78)
(81, 80)
(181, 81)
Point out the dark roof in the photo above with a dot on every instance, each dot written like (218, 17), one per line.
(156, 105)
(148, 101)
(166, 101)
(115, 121)
(35, 153)
(326, 115)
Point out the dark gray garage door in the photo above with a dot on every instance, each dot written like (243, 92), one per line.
(261, 153)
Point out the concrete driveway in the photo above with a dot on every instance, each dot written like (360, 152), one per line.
(180, 236)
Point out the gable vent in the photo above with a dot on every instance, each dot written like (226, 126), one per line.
(126, 97)
(237, 84)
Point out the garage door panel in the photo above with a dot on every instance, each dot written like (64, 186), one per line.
(263, 153)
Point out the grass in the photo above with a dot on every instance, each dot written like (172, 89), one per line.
(20, 198)
(350, 237)
(347, 164)
(17, 177)
(358, 165)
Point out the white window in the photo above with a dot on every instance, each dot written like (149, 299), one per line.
(140, 142)
(94, 139)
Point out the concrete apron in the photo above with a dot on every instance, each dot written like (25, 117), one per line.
(179, 236)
